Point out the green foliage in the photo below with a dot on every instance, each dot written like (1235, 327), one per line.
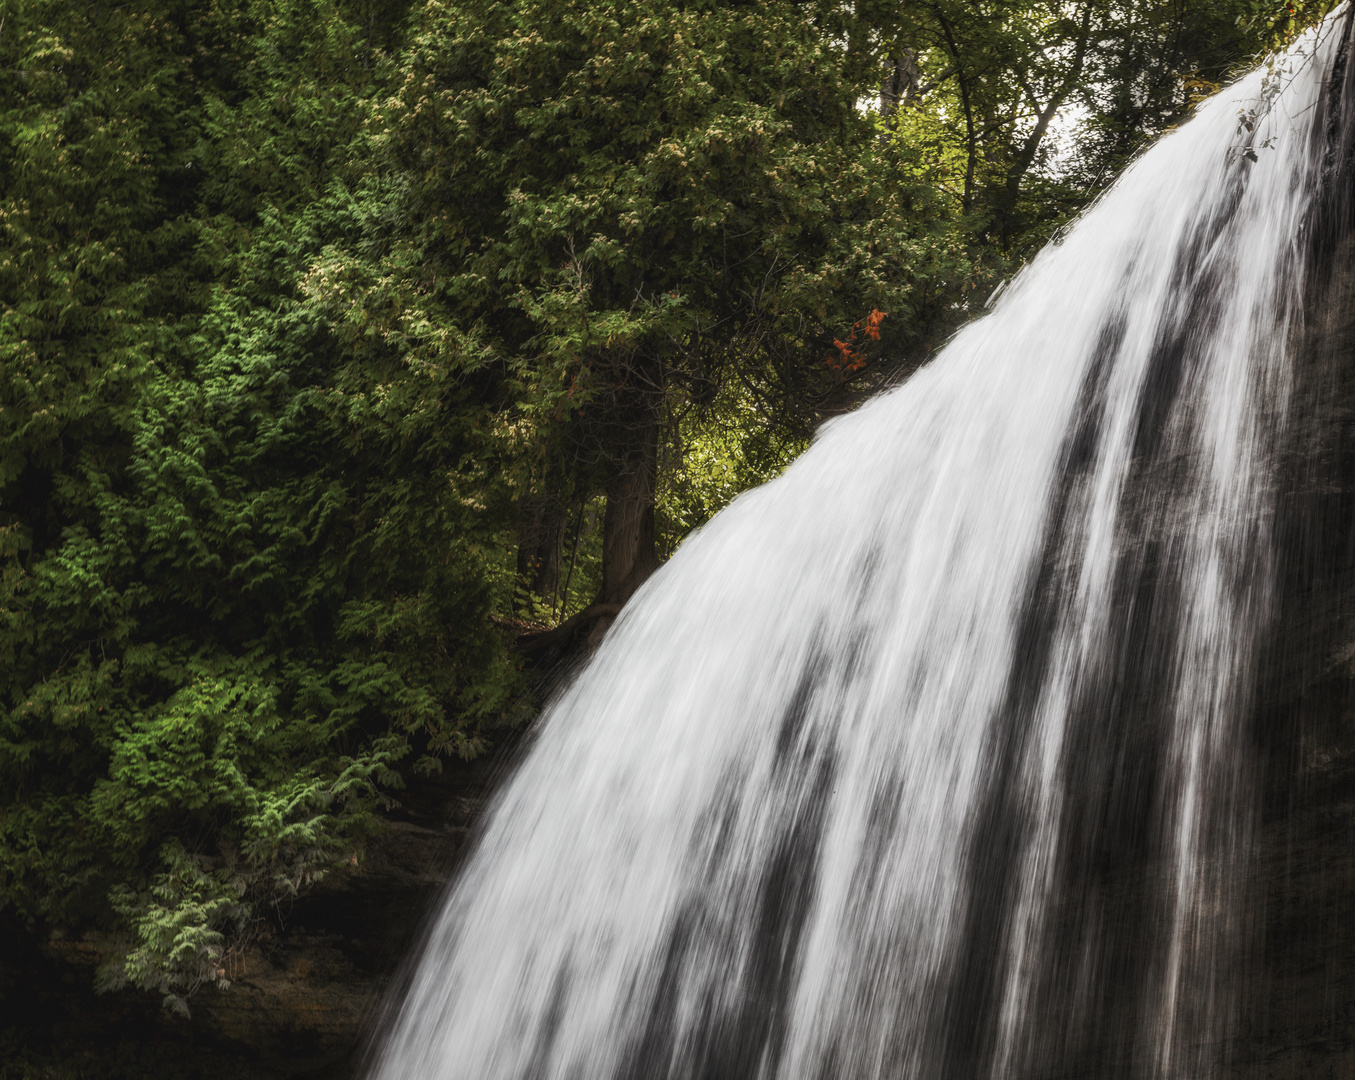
(627, 205)
(1028, 109)
(244, 567)
(179, 947)
(724, 452)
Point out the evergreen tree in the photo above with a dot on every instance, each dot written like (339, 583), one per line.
(245, 567)
(628, 206)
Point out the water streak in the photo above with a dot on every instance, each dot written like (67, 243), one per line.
(924, 760)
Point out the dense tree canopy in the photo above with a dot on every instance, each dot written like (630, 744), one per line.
(241, 566)
(334, 335)
(626, 207)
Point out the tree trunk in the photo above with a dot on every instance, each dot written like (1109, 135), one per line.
(628, 442)
(629, 555)
(541, 533)
(899, 83)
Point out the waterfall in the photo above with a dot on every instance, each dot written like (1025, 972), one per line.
(929, 759)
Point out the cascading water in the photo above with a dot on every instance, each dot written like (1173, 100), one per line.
(926, 760)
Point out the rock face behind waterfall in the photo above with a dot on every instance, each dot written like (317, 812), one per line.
(1299, 994)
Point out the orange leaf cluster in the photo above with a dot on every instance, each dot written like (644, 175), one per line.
(849, 358)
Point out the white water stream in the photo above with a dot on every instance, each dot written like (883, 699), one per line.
(861, 782)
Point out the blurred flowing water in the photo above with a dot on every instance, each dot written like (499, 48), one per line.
(929, 758)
